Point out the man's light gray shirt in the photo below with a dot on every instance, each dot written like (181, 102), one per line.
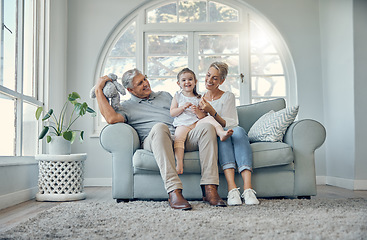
(143, 114)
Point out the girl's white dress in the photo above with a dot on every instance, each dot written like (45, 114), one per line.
(187, 117)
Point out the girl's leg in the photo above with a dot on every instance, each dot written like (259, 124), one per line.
(222, 134)
(179, 146)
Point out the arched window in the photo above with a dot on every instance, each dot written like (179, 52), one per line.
(161, 38)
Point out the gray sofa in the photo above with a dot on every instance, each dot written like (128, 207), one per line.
(280, 169)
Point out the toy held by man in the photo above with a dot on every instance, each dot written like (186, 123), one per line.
(112, 91)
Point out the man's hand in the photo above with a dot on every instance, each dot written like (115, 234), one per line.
(102, 82)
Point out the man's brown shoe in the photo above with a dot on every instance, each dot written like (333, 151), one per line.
(210, 195)
(177, 201)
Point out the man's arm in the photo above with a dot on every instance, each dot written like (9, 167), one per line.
(106, 109)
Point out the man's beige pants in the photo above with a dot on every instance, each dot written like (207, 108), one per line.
(203, 138)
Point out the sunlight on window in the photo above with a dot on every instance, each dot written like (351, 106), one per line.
(7, 126)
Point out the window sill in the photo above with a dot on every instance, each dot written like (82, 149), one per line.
(17, 161)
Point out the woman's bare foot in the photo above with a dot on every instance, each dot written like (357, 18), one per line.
(225, 135)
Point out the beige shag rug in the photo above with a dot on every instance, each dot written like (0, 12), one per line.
(272, 219)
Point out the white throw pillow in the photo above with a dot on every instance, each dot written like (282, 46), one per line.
(272, 125)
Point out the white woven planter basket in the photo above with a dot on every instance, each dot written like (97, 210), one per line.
(60, 177)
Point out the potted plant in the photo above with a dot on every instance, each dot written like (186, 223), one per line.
(60, 135)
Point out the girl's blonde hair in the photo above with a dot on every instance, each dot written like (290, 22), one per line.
(188, 70)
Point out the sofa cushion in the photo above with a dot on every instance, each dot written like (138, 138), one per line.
(272, 125)
(265, 154)
(269, 154)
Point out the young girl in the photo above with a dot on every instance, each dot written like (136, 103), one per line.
(184, 108)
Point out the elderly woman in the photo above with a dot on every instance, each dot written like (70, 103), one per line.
(236, 149)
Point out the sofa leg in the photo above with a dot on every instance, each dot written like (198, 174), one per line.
(304, 197)
(122, 200)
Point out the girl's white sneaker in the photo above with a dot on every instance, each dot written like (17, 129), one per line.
(250, 197)
(234, 197)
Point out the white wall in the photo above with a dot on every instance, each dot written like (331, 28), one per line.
(91, 21)
(344, 62)
(360, 86)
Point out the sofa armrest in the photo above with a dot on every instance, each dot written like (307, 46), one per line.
(305, 136)
(121, 140)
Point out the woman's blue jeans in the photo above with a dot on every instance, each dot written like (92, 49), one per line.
(235, 150)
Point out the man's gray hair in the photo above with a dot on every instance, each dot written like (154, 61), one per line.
(128, 76)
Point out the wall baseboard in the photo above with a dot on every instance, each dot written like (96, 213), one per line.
(14, 198)
(320, 180)
(343, 182)
(98, 182)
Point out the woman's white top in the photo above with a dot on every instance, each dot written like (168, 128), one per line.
(187, 117)
(226, 108)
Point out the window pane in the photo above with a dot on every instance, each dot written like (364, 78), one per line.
(260, 42)
(232, 61)
(192, 11)
(268, 86)
(9, 43)
(164, 84)
(166, 66)
(222, 13)
(230, 84)
(126, 45)
(219, 44)
(119, 65)
(167, 44)
(164, 14)
(30, 130)
(28, 80)
(7, 126)
(266, 64)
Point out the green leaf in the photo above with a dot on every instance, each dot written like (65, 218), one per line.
(73, 96)
(81, 137)
(48, 139)
(91, 111)
(48, 115)
(83, 109)
(44, 132)
(68, 135)
(38, 112)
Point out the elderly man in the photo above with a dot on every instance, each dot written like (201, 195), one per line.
(148, 112)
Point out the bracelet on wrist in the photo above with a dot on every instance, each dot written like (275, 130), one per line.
(215, 114)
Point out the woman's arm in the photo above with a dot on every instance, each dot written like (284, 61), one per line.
(105, 108)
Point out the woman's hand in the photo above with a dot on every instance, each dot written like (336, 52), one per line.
(198, 112)
(206, 107)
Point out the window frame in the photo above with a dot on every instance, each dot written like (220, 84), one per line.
(38, 73)
(246, 13)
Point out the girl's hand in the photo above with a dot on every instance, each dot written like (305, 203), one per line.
(205, 106)
(187, 105)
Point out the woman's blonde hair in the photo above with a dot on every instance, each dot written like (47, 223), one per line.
(222, 67)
